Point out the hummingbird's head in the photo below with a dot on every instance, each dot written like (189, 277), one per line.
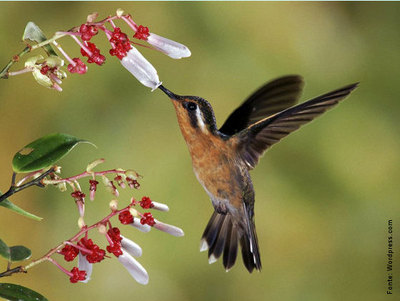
(195, 114)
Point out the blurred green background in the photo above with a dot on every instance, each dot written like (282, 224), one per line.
(323, 195)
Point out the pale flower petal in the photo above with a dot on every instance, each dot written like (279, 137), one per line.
(171, 48)
(43, 80)
(175, 231)
(134, 268)
(131, 247)
(84, 265)
(136, 223)
(160, 206)
(141, 68)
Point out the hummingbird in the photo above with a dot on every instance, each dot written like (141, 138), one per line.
(222, 158)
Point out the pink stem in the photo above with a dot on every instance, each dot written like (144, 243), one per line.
(60, 267)
(108, 34)
(55, 78)
(31, 174)
(68, 33)
(101, 23)
(145, 46)
(110, 241)
(84, 174)
(64, 53)
(25, 70)
(83, 249)
(112, 23)
(57, 87)
(130, 22)
(82, 46)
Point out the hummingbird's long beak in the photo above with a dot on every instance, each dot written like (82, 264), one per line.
(171, 95)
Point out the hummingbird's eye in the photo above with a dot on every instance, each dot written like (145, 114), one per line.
(191, 106)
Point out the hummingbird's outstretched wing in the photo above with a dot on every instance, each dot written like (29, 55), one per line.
(271, 98)
(255, 140)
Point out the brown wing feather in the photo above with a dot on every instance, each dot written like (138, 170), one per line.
(271, 98)
(255, 140)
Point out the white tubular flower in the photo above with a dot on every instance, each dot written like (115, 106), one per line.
(171, 48)
(131, 247)
(84, 265)
(173, 230)
(160, 206)
(134, 268)
(136, 223)
(141, 68)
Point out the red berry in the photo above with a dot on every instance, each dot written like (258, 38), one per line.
(114, 234)
(77, 275)
(132, 183)
(96, 56)
(147, 219)
(121, 43)
(142, 33)
(125, 218)
(93, 185)
(79, 67)
(87, 31)
(78, 195)
(146, 203)
(44, 69)
(115, 248)
(96, 254)
(69, 252)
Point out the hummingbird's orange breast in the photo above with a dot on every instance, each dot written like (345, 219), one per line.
(215, 164)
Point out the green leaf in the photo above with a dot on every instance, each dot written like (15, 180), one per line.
(19, 253)
(9, 205)
(4, 250)
(34, 33)
(14, 292)
(44, 152)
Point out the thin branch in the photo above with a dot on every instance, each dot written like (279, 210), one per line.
(35, 182)
(4, 73)
(9, 272)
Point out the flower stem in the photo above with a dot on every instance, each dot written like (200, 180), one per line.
(130, 22)
(25, 70)
(83, 175)
(35, 182)
(53, 261)
(64, 53)
(4, 73)
(82, 46)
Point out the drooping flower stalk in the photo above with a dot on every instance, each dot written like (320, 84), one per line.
(121, 47)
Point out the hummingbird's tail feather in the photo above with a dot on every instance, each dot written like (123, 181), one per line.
(250, 249)
(222, 236)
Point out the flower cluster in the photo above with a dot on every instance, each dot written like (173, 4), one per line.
(121, 247)
(87, 31)
(47, 72)
(83, 246)
(93, 252)
(77, 66)
(95, 56)
(142, 33)
(120, 42)
(77, 275)
(121, 47)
